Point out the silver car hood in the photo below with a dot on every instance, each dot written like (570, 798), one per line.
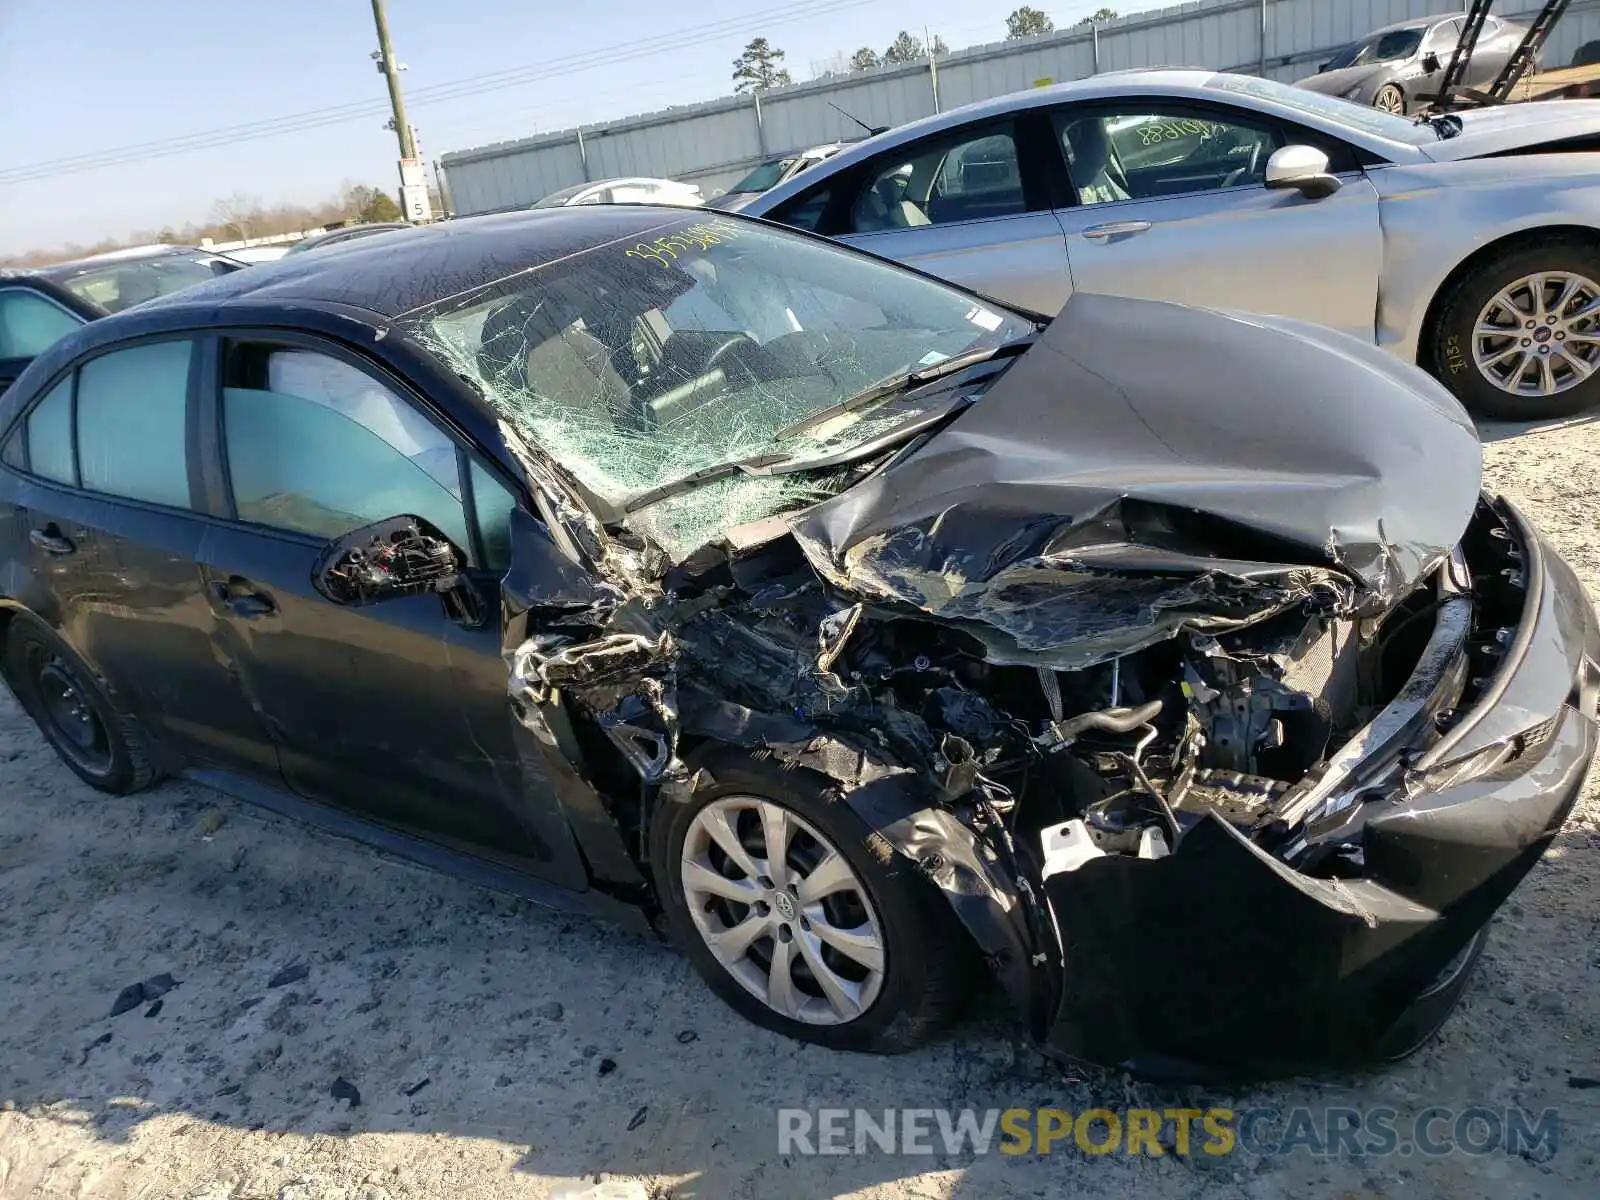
(1512, 127)
(1337, 83)
(1147, 469)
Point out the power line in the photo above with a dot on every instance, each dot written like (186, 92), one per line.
(434, 94)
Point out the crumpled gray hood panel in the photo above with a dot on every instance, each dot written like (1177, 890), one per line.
(1148, 469)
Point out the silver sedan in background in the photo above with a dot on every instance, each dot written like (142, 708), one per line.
(1469, 244)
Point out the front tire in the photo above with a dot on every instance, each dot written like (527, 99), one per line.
(837, 940)
(104, 745)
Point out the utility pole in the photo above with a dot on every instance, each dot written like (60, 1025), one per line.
(413, 181)
(391, 73)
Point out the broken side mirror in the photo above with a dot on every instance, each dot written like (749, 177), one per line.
(400, 556)
(1430, 62)
(1303, 168)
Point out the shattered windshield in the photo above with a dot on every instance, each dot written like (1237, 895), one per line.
(640, 362)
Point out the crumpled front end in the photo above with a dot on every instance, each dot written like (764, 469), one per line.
(1313, 942)
(1185, 690)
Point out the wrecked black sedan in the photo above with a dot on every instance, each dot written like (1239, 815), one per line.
(858, 631)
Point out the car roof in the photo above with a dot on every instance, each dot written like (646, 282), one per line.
(393, 273)
(111, 257)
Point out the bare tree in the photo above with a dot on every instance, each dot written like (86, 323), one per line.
(239, 213)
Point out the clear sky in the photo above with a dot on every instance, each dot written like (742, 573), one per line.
(90, 77)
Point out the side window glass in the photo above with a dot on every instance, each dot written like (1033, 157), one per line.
(50, 435)
(1146, 155)
(30, 324)
(132, 421)
(320, 447)
(805, 212)
(1444, 37)
(959, 177)
(493, 505)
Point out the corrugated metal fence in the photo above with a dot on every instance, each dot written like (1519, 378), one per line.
(716, 142)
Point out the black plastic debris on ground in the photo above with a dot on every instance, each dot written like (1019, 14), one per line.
(293, 973)
(607, 1065)
(1582, 1082)
(155, 1009)
(417, 1087)
(136, 994)
(343, 1089)
(99, 1041)
(687, 1036)
(638, 1118)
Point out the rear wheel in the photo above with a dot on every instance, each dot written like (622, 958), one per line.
(101, 743)
(1390, 99)
(803, 919)
(1519, 339)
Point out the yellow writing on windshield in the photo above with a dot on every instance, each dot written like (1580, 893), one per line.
(664, 251)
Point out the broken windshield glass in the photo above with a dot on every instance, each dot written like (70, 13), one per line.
(643, 362)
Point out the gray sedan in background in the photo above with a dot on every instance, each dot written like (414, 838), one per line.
(1469, 244)
(1395, 67)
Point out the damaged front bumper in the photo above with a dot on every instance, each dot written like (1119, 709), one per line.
(1221, 954)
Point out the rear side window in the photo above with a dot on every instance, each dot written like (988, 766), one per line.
(50, 435)
(30, 324)
(132, 417)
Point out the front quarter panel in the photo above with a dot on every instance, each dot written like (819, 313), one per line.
(1436, 216)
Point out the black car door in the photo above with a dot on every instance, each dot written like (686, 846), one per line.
(29, 323)
(113, 537)
(397, 709)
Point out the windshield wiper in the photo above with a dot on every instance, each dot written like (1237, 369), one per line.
(749, 465)
(905, 382)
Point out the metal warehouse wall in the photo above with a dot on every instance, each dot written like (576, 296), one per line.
(716, 142)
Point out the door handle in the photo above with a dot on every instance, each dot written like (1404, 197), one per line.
(240, 597)
(1112, 229)
(49, 540)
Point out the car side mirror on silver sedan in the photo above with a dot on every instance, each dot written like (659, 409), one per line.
(1303, 168)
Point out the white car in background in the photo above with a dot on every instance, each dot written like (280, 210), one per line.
(625, 191)
(771, 173)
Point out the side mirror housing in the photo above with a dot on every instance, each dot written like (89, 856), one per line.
(1303, 168)
(1430, 62)
(402, 556)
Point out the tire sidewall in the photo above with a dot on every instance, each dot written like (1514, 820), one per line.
(24, 634)
(898, 894)
(1452, 344)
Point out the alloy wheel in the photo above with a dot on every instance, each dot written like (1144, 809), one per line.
(1389, 99)
(782, 910)
(1539, 336)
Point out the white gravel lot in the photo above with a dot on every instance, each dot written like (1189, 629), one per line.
(478, 1031)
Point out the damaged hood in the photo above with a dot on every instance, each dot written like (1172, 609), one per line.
(1149, 468)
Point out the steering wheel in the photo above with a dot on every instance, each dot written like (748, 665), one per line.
(1247, 171)
(727, 350)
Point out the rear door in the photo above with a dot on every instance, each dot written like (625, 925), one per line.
(970, 205)
(1171, 204)
(398, 710)
(113, 532)
(30, 322)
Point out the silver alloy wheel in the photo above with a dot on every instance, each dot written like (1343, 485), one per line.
(782, 910)
(1389, 99)
(1539, 336)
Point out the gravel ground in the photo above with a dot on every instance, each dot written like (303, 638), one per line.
(502, 1051)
